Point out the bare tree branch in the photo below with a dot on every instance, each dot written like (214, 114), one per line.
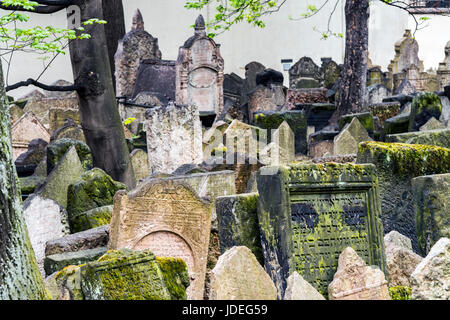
(33, 82)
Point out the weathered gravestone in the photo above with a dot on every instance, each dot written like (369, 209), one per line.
(46, 220)
(85, 240)
(130, 275)
(174, 137)
(24, 130)
(57, 117)
(238, 276)
(439, 138)
(354, 280)
(423, 107)
(400, 259)
(396, 165)
(431, 279)
(309, 213)
(376, 93)
(58, 148)
(70, 130)
(296, 120)
(432, 124)
(94, 189)
(346, 142)
(168, 218)
(443, 72)
(68, 171)
(135, 46)
(157, 77)
(199, 71)
(432, 209)
(139, 161)
(238, 223)
(299, 289)
(304, 74)
(41, 108)
(35, 153)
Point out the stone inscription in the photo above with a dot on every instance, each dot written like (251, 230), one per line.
(322, 226)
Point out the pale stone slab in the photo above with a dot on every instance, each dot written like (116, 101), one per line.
(168, 218)
(431, 278)
(45, 220)
(239, 276)
(174, 137)
(68, 171)
(299, 289)
(139, 161)
(347, 141)
(354, 280)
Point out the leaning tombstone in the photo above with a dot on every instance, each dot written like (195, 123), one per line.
(347, 141)
(238, 276)
(397, 164)
(309, 213)
(68, 171)
(432, 208)
(237, 217)
(130, 275)
(168, 218)
(46, 220)
(424, 106)
(354, 280)
(94, 189)
(299, 289)
(430, 280)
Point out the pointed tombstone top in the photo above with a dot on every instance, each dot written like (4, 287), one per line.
(200, 24)
(138, 21)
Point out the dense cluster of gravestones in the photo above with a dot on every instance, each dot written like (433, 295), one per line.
(244, 190)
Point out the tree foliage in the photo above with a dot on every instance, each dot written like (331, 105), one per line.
(47, 41)
(231, 12)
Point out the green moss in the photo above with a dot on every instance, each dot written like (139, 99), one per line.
(405, 159)
(400, 293)
(124, 275)
(96, 189)
(176, 276)
(424, 106)
(29, 184)
(91, 219)
(57, 149)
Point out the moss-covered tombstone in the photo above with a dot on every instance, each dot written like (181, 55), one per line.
(91, 219)
(296, 120)
(134, 275)
(238, 223)
(57, 149)
(309, 213)
(432, 209)
(438, 138)
(424, 106)
(96, 189)
(396, 165)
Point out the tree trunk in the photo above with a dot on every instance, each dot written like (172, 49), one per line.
(354, 74)
(20, 278)
(114, 29)
(100, 117)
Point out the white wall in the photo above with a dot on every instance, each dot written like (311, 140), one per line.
(282, 38)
